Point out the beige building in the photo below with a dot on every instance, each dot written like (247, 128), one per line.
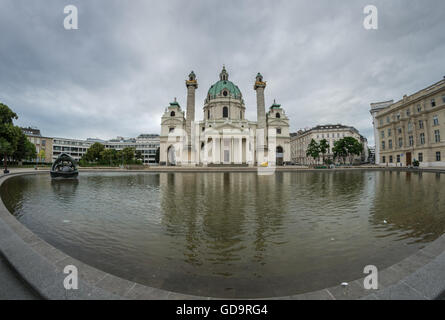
(224, 136)
(412, 128)
(331, 133)
(40, 142)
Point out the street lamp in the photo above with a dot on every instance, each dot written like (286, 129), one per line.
(6, 171)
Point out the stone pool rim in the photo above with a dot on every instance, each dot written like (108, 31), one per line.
(420, 276)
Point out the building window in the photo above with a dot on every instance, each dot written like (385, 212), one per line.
(411, 141)
(435, 120)
(410, 127)
(383, 145)
(383, 134)
(438, 156)
(422, 138)
(170, 130)
(383, 159)
(398, 158)
(172, 114)
(433, 103)
(277, 115)
(225, 112)
(225, 93)
(420, 157)
(408, 113)
(398, 116)
(389, 132)
(437, 135)
(390, 144)
(419, 108)
(388, 120)
(420, 124)
(381, 122)
(400, 142)
(399, 130)
(208, 114)
(278, 130)
(390, 159)
(443, 98)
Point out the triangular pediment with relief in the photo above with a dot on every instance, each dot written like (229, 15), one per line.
(278, 122)
(226, 125)
(171, 121)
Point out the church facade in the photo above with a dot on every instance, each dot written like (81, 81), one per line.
(224, 136)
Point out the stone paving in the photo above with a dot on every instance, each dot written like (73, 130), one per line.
(12, 286)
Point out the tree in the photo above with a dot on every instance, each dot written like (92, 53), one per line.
(347, 147)
(7, 115)
(127, 155)
(324, 148)
(8, 133)
(41, 156)
(339, 150)
(158, 155)
(109, 156)
(25, 150)
(93, 153)
(138, 155)
(353, 147)
(313, 150)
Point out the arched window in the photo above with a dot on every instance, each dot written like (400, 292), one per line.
(225, 93)
(225, 112)
(277, 115)
(240, 114)
(172, 114)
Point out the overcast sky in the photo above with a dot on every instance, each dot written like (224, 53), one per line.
(116, 74)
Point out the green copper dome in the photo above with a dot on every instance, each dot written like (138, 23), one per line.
(224, 83)
(218, 88)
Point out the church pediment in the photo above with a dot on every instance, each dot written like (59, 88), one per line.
(278, 122)
(171, 121)
(226, 125)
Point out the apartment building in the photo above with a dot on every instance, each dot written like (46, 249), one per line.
(331, 133)
(412, 128)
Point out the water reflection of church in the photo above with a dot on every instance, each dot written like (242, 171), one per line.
(225, 136)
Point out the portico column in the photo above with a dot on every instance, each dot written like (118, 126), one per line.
(214, 150)
(248, 155)
(205, 153)
(221, 150)
(232, 148)
(240, 150)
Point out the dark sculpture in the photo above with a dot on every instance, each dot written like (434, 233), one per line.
(64, 167)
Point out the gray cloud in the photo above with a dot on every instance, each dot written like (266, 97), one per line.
(129, 59)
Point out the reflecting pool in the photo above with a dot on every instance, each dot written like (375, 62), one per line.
(234, 234)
